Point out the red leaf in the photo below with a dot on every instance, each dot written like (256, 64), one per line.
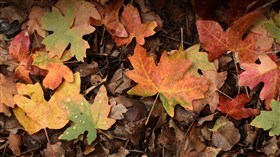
(217, 41)
(235, 108)
(19, 50)
(267, 72)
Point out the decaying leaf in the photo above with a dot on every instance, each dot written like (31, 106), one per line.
(48, 114)
(110, 18)
(167, 79)
(19, 50)
(217, 42)
(64, 34)
(7, 91)
(235, 108)
(15, 143)
(34, 22)
(269, 120)
(56, 70)
(267, 72)
(83, 10)
(134, 26)
(87, 117)
(225, 135)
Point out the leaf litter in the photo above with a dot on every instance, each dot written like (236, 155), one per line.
(144, 97)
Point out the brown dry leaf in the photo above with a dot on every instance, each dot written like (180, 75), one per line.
(13, 13)
(119, 82)
(15, 143)
(54, 150)
(127, 102)
(121, 152)
(34, 23)
(7, 92)
(83, 10)
(136, 112)
(225, 134)
(210, 152)
(271, 147)
(206, 118)
(117, 111)
(86, 69)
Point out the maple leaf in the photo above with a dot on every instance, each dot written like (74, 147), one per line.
(87, 117)
(267, 72)
(217, 42)
(135, 27)
(48, 114)
(83, 10)
(110, 18)
(56, 70)
(168, 79)
(19, 50)
(64, 34)
(7, 91)
(235, 107)
(269, 120)
(273, 27)
(208, 70)
(34, 22)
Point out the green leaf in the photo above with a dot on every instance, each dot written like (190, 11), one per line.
(269, 120)
(64, 34)
(273, 27)
(87, 117)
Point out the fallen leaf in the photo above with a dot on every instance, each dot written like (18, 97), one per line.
(48, 114)
(270, 147)
(83, 10)
(267, 72)
(117, 111)
(217, 42)
(235, 107)
(167, 79)
(64, 34)
(121, 152)
(134, 26)
(137, 112)
(119, 82)
(209, 71)
(19, 50)
(34, 22)
(15, 143)
(87, 117)
(57, 71)
(110, 18)
(269, 120)
(273, 28)
(7, 92)
(222, 137)
(54, 149)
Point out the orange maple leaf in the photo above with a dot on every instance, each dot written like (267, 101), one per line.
(110, 18)
(169, 79)
(56, 70)
(217, 42)
(135, 27)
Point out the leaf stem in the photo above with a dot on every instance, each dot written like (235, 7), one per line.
(49, 142)
(108, 136)
(151, 109)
